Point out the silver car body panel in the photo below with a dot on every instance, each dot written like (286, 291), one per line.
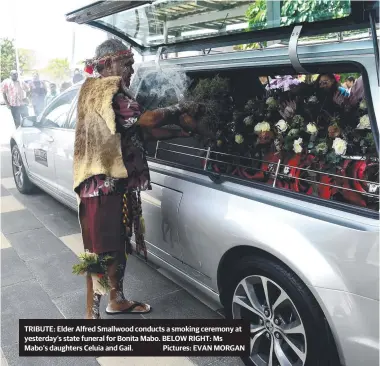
(193, 223)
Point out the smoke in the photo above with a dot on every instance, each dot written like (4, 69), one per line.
(157, 87)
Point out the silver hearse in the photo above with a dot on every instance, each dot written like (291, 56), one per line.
(293, 249)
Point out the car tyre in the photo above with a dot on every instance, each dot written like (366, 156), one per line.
(23, 184)
(290, 304)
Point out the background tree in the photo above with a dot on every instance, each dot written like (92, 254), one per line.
(7, 57)
(313, 10)
(294, 11)
(58, 69)
(27, 59)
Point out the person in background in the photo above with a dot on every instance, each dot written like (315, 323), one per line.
(64, 86)
(329, 93)
(37, 93)
(357, 92)
(350, 83)
(328, 82)
(77, 76)
(14, 93)
(52, 94)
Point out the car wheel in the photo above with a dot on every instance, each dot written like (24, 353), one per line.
(287, 326)
(23, 184)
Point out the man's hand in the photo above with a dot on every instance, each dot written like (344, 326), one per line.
(189, 124)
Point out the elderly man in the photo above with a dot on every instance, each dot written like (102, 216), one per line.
(110, 168)
(14, 93)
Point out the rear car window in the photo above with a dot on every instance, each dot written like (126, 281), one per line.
(309, 134)
(172, 21)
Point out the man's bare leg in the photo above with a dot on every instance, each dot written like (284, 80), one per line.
(117, 301)
(93, 300)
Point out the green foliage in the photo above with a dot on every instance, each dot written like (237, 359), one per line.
(297, 11)
(333, 159)
(294, 11)
(58, 69)
(213, 95)
(91, 263)
(27, 59)
(7, 57)
(369, 140)
(312, 10)
(210, 89)
(343, 77)
(256, 15)
(248, 46)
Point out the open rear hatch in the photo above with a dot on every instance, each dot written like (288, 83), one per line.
(200, 24)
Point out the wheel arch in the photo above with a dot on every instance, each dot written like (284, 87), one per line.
(12, 142)
(234, 254)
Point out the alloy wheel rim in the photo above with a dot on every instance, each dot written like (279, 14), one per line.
(278, 336)
(17, 168)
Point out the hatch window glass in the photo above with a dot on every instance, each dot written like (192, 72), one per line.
(175, 21)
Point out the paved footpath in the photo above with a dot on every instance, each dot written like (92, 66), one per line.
(39, 239)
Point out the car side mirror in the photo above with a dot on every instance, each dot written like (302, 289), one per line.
(29, 121)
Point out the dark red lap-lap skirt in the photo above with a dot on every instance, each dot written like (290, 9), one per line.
(102, 225)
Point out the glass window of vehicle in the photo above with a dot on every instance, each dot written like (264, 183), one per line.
(309, 134)
(55, 116)
(73, 119)
(174, 21)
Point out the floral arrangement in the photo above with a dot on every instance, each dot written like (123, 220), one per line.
(283, 82)
(304, 128)
(96, 266)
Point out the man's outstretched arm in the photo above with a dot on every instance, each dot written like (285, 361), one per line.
(163, 133)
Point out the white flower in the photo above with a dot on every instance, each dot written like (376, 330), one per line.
(239, 139)
(248, 120)
(340, 146)
(297, 145)
(364, 123)
(313, 99)
(363, 104)
(322, 148)
(282, 126)
(262, 127)
(312, 128)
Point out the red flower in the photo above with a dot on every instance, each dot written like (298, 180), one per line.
(89, 69)
(100, 275)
